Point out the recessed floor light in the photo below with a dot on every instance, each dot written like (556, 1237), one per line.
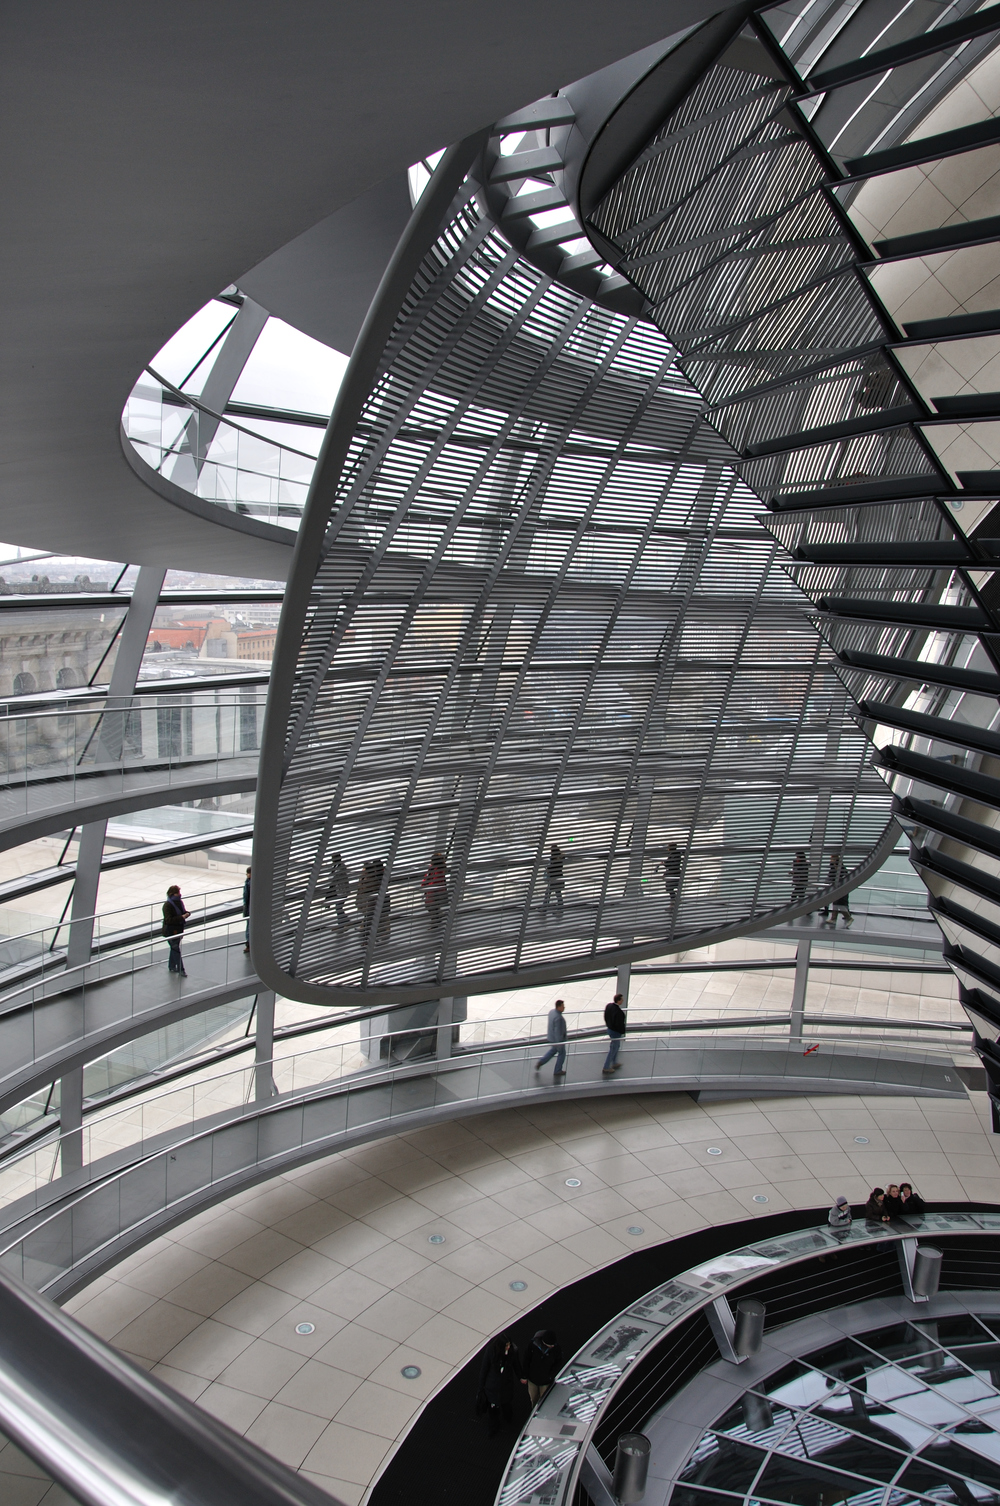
(636, 1229)
(861, 1140)
(519, 1286)
(573, 1182)
(759, 1197)
(714, 1150)
(305, 1328)
(435, 1239)
(410, 1372)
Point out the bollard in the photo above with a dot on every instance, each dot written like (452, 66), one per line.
(631, 1467)
(749, 1333)
(927, 1271)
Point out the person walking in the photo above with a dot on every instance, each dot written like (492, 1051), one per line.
(174, 920)
(435, 886)
(800, 877)
(246, 909)
(498, 1375)
(365, 897)
(614, 1019)
(673, 873)
(339, 887)
(556, 1035)
(540, 1364)
(837, 874)
(554, 880)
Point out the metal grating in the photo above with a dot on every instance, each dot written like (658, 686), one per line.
(544, 613)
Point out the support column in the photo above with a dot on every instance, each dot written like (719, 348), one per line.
(71, 1122)
(263, 1056)
(451, 1012)
(802, 953)
(623, 981)
(111, 744)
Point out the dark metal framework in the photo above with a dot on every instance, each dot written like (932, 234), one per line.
(753, 222)
(532, 605)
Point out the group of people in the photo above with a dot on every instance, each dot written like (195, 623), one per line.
(898, 1200)
(556, 1033)
(836, 873)
(504, 1370)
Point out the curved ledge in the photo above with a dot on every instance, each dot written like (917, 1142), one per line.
(79, 1226)
(61, 815)
(208, 511)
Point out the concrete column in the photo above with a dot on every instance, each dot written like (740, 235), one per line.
(451, 1012)
(111, 742)
(622, 983)
(71, 1122)
(802, 952)
(263, 1056)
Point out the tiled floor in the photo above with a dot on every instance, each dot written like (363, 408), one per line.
(344, 1244)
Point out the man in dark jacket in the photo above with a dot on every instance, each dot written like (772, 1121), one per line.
(540, 1364)
(614, 1019)
(246, 908)
(498, 1375)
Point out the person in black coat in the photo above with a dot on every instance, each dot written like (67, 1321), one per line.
(911, 1204)
(875, 1209)
(614, 1021)
(540, 1364)
(175, 915)
(498, 1377)
(246, 908)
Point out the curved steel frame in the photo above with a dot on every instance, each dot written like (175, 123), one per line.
(734, 219)
(531, 605)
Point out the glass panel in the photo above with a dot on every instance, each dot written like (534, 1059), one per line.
(723, 1462)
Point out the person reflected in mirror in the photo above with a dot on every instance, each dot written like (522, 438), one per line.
(911, 1204)
(499, 1374)
(673, 873)
(875, 1211)
(175, 918)
(614, 1020)
(246, 909)
(540, 1364)
(339, 888)
(800, 877)
(554, 880)
(365, 897)
(892, 1204)
(435, 886)
(555, 1034)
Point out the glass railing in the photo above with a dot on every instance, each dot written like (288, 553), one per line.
(221, 462)
(174, 1154)
(45, 755)
(139, 1124)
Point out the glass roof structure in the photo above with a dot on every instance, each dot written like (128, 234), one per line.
(909, 1412)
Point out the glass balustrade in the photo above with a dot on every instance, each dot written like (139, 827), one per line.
(225, 463)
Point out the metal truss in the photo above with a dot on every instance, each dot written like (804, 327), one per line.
(532, 607)
(742, 221)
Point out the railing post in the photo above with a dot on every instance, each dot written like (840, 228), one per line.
(71, 1122)
(802, 954)
(111, 747)
(263, 1057)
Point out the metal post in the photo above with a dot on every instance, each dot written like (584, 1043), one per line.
(623, 981)
(631, 1468)
(71, 1122)
(263, 1056)
(444, 1017)
(111, 742)
(802, 952)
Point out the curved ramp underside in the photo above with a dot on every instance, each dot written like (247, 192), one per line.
(532, 605)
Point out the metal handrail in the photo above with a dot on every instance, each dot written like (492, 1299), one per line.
(112, 1434)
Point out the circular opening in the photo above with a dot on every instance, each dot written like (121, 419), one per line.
(573, 1182)
(305, 1328)
(519, 1286)
(861, 1139)
(410, 1372)
(636, 1229)
(435, 1239)
(714, 1150)
(759, 1197)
